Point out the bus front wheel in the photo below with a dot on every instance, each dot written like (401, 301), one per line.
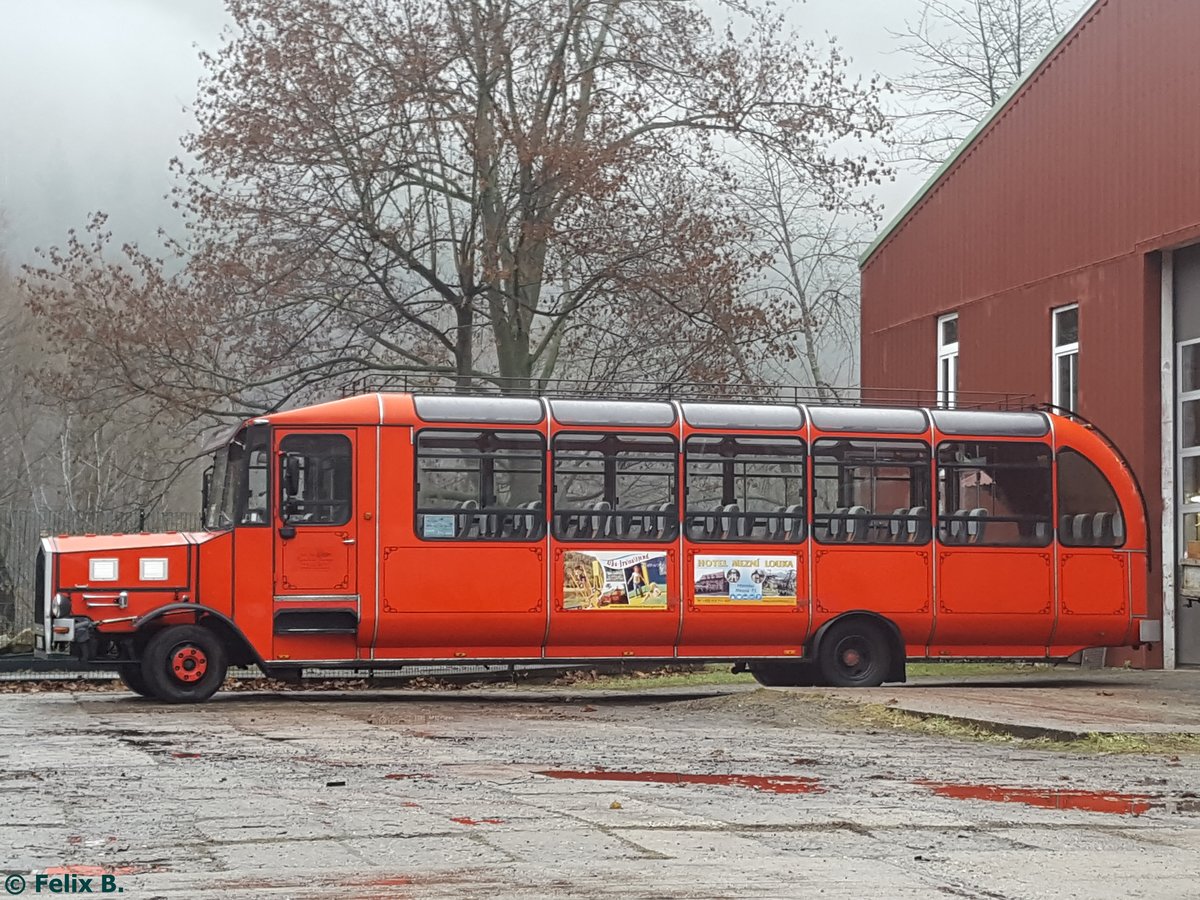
(854, 653)
(132, 677)
(184, 664)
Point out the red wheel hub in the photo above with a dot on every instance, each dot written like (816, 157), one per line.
(851, 657)
(188, 663)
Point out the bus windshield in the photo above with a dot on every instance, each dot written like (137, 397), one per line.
(218, 514)
(238, 486)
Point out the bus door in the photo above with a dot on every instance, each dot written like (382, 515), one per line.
(614, 550)
(745, 559)
(995, 554)
(1096, 569)
(316, 609)
(872, 541)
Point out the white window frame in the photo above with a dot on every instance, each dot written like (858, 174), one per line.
(947, 364)
(1058, 352)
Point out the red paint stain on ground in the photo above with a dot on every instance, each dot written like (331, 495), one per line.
(775, 784)
(397, 776)
(1047, 798)
(409, 803)
(466, 820)
(178, 755)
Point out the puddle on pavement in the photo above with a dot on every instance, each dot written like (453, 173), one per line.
(1049, 798)
(775, 784)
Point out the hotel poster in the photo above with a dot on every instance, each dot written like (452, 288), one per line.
(738, 580)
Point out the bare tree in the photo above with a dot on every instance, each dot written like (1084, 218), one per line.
(964, 57)
(809, 243)
(501, 191)
(83, 455)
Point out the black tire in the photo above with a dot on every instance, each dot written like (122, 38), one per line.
(132, 678)
(184, 664)
(854, 653)
(785, 674)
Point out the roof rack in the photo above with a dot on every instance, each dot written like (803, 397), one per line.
(795, 394)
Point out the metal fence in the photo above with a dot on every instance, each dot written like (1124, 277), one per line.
(21, 531)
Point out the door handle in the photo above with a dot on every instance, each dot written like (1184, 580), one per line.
(348, 541)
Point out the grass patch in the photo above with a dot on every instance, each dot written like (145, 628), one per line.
(719, 674)
(883, 717)
(948, 669)
(656, 678)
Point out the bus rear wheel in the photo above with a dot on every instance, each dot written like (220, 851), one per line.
(184, 664)
(854, 653)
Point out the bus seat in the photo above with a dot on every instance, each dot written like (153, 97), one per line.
(731, 523)
(837, 524)
(1118, 529)
(1064, 526)
(1081, 530)
(856, 523)
(528, 522)
(601, 523)
(794, 523)
(955, 530)
(663, 519)
(975, 529)
(896, 524)
(776, 524)
(917, 526)
(467, 522)
(1102, 529)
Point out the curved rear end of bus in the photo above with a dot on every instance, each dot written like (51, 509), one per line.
(1102, 547)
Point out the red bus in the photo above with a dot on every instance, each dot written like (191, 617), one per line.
(807, 544)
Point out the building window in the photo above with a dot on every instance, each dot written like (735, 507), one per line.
(947, 381)
(1066, 357)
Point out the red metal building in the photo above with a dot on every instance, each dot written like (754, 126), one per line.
(1057, 253)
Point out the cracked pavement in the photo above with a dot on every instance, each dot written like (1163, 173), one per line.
(506, 792)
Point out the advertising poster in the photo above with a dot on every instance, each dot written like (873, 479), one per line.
(738, 580)
(623, 580)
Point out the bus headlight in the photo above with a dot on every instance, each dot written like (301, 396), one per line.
(60, 606)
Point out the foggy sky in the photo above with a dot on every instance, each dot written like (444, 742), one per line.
(93, 98)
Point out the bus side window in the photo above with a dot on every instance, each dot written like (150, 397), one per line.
(994, 493)
(480, 485)
(871, 492)
(744, 489)
(615, 487)
(315, 479)
(1089, 514)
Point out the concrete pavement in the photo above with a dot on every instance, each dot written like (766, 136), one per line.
(552, 793)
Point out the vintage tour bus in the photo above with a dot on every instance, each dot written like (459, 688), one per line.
(805, 544)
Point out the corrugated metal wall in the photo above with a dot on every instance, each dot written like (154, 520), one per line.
(1064, 198)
